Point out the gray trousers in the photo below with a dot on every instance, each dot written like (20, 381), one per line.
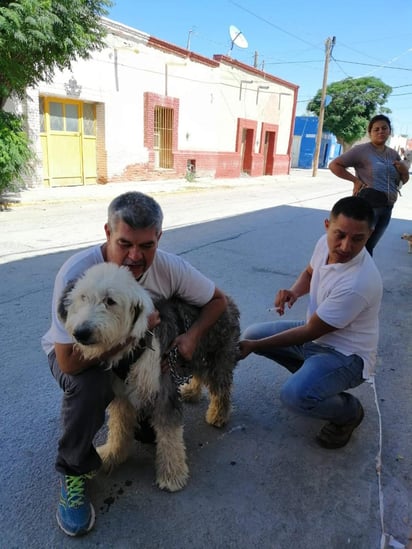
(85, 399)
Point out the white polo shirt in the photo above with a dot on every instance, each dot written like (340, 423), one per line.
(347, 296)
(169, 275)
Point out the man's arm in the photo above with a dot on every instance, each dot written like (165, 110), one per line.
(300, 287)
(209, 315)
(71, 361)
(313, 329)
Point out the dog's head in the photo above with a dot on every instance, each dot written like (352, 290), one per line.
(407, 237)
(104, 308)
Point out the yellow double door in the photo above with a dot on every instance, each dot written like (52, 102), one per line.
(68, 139)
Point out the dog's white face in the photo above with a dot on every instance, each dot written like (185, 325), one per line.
(407, 237)
(104, 308)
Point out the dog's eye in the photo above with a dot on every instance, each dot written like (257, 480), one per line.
(110, 301)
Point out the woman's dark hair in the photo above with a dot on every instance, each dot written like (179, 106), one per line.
(379, 118)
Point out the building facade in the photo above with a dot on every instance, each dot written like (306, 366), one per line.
(145, 109)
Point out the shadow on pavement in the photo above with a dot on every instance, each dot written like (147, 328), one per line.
(261, 481)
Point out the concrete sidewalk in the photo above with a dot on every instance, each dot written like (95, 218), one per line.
(297, 187)
(43, 194)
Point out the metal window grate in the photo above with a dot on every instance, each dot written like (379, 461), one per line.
(163, 137)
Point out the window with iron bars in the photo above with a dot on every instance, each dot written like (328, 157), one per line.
(163, 137)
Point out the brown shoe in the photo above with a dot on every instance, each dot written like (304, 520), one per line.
(334, 436)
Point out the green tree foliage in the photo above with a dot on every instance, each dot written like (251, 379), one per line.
(354, 101)
(38, 37)
(15, 152)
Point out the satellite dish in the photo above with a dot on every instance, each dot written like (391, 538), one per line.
(237, 38)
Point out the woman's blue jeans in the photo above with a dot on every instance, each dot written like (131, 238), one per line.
(320, 375)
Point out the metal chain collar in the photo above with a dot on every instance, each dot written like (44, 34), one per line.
(177, 378)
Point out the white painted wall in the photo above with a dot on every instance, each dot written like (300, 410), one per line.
(210, 99)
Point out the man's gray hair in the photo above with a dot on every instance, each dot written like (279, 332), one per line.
(137, 210)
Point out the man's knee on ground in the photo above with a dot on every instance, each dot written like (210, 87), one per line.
(251, 332)
(296, 398)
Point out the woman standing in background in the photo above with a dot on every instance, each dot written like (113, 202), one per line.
(379, 174)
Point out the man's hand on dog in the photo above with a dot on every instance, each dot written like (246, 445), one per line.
(153, 320)
(246, 346)
(185, 346)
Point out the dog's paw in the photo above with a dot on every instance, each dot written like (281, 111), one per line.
(216, 419)
(172, 481)
(218, 411)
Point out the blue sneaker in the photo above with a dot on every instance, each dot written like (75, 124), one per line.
(75, 514)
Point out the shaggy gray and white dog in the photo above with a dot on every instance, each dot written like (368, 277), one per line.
(106, 307)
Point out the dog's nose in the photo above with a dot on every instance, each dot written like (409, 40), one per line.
(83, 335)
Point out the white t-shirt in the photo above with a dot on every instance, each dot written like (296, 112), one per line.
(347, 296)
(169, 275)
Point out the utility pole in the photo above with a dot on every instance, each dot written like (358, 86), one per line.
(330, 42)
(188, 39)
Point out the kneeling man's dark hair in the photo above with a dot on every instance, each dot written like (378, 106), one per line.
(354, 207)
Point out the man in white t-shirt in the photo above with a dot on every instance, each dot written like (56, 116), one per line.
(335, 349)
(133, 230)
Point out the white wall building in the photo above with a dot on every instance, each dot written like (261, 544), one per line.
(143, 108)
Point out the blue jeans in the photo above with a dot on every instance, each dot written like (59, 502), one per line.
(320, 375)
(382, 219)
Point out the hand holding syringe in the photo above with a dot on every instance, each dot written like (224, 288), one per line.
(282, 298)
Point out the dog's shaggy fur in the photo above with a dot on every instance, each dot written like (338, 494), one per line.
(408, 238)
(107, 307)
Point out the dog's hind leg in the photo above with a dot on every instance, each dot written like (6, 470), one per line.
(121, 424)
(172, 472)
(219, 408)
(191, 391)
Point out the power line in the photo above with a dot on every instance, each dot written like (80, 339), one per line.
(339, 61)
(293, 62)
(273, 25)
(372, 65)
(344, 72)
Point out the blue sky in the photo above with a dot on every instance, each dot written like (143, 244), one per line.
(373, 38)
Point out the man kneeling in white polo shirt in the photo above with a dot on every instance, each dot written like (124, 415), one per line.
(335, 349)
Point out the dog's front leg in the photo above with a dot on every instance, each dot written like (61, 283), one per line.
(122, 420)
(172, 472)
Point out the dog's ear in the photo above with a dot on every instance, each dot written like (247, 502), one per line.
(136, 310)
(64, 301)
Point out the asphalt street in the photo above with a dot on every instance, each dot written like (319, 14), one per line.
(261, 481)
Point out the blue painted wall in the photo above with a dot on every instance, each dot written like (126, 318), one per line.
(307, 128)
